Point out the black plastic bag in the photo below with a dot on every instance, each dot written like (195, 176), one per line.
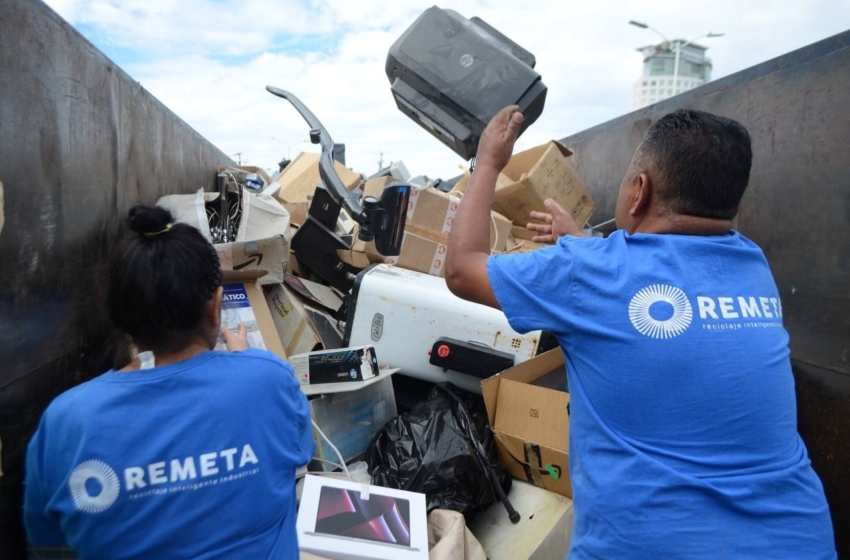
(436, 449)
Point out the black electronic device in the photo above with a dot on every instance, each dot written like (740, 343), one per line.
(316, 243)
(380, 219)
(469, 358)
(452, 75)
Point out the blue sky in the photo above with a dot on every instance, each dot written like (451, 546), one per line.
(210, 60)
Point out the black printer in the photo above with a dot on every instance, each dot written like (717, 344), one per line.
(452, 75)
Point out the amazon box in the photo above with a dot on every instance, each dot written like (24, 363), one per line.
(268, 256)
(243, 302)
(531, 423)
(537, 174)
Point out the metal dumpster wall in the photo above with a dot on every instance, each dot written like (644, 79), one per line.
(80, 143)
(797, 209)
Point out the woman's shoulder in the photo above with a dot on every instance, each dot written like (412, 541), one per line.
(255, 357)
(78, 399)
(255, 362)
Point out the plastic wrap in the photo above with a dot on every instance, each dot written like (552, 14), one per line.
(436, 449)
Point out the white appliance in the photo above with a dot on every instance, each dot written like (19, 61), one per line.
(417, 325)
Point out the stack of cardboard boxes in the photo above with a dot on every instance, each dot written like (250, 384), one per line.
(529, 179)
(293, 315)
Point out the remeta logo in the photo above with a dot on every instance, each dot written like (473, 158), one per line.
(662, 311)
(640, 311)
(94, 486)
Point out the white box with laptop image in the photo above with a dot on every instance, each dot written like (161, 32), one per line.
(343, 520)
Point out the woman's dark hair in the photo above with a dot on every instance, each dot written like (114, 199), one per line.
(160, 280)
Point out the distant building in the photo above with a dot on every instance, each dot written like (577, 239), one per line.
(659, 63)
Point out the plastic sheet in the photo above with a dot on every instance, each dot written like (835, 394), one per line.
(436, 449)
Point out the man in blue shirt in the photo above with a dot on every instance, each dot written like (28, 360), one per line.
(683, 416)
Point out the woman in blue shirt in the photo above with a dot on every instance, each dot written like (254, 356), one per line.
(186, 452)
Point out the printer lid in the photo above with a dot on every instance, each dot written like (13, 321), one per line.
(472, 67)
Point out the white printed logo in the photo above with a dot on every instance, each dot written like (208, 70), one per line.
(105, 495)
(646, 324)
(466, 60)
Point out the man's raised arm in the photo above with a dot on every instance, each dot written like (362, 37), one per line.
(469, 238)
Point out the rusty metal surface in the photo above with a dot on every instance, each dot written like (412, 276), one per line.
(797, 208)
(80, 142)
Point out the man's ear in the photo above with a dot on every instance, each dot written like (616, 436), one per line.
(641, 196)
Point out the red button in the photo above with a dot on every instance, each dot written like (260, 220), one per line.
(443, 351)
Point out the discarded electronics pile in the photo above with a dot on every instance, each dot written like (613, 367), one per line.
(342, 276)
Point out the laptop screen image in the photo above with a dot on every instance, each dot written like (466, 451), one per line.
(380, 519)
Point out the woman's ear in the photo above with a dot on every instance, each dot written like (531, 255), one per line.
(213, 310)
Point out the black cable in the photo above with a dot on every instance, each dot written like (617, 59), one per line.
(513, 515)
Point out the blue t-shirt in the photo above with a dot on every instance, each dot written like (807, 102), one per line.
(195, 459)
(683, 418)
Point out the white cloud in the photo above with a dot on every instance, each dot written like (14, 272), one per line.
(210, 60)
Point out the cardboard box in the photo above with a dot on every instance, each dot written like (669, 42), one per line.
(530, 423)
(336, 366)
(296, 321)
(537, 174)
(299, 180)
(319, 293)
(243, 302)
(430, 217)
(516, 245)
(340, 520)
(460, 187)
(262, 239)
(268, 255)
(374, 187)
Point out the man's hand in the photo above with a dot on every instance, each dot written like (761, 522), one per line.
(235, 342)
(556, 223)
(497, 140)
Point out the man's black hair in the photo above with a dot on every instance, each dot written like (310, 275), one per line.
(160, 280)
(703, 161)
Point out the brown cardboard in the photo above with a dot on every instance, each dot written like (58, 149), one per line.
(460, 187)
(526, 419)
(356, 256)
(422, 250)
(537, 174)
(520, 232)
(290, 317)
(299, 179)
(374, 187)
(269, 255)
(262, 315)
(522, 246)
(430, 218)
(316, 292)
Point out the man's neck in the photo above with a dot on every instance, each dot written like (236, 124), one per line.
(684, 225)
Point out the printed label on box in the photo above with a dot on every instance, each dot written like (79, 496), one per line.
(235, 309)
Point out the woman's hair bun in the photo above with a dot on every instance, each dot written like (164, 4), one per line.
(149, 219)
